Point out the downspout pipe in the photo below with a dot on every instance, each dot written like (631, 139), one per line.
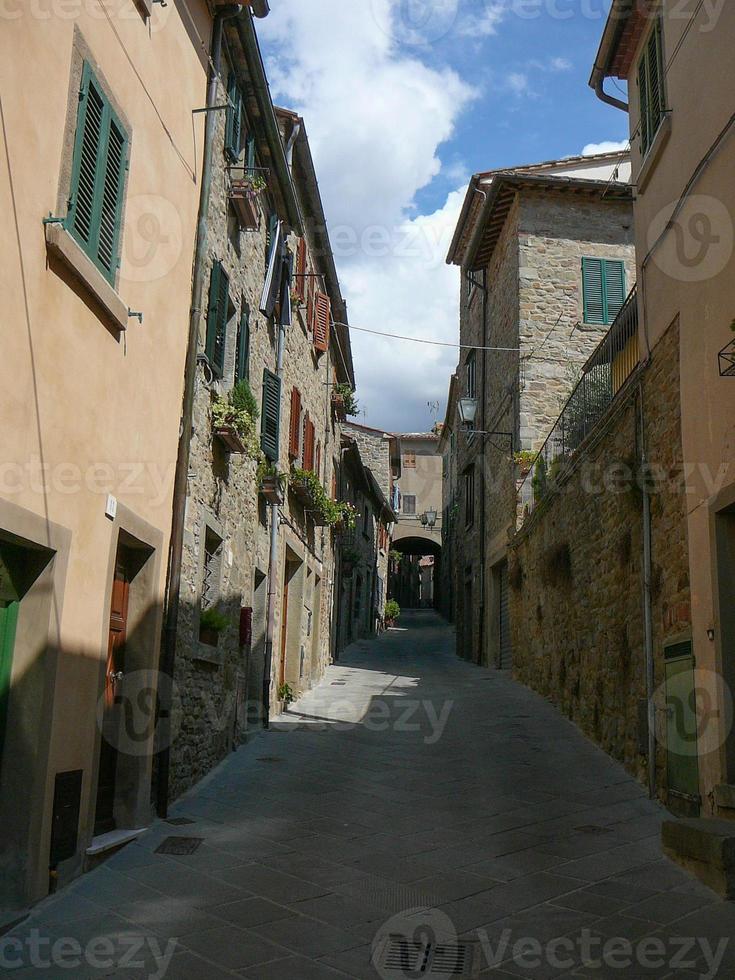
(270, 628)
(609, 99)
(647, 602)
(167, 658)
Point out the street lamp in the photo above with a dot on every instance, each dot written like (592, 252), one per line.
(428, 518)
(467, 408)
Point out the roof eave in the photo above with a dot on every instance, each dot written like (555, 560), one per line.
(614, 27)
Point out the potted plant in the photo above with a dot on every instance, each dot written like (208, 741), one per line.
(392, 612)
(285, 694)
(347, 520)
(344, 402)
(524, 460)
(212, 622)
(271, 482)
(233, 420)
(244, 193)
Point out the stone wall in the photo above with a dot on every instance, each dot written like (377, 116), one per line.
(576, 569)
(556, 231)
(213, 683)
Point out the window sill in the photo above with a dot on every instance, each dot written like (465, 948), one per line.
(63, 246)
(650, 161)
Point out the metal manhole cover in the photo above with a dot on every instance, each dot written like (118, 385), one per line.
(179, 845)
(179, 821)
(403, 958)
(591, 829)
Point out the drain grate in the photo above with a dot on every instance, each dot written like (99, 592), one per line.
(179, 845)
(591, 829)
(338, 683)
(400, 957)
(179, 821)
(269, 758)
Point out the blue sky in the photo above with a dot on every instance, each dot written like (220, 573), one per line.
(403, 100)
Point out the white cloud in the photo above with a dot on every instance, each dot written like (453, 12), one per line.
(376, 115)
(518, 83)
(486, 23)
(560, 64)
(607, 146)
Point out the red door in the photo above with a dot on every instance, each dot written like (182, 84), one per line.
(104, 814)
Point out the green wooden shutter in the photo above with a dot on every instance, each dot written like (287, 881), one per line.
(593, 291)
(94, 215)
(250, 154)
(651, 87)
(8, 621)
(614, 289)
(233, 129)
(270, 237)
(643, 101)
(270, 415)
(219, 301)
(242, 354)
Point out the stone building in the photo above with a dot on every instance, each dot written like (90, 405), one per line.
(546, 253)
(257, 564)
(363, 552)
(450, 497)
(101, 205)
(683, 153)
(419, 508)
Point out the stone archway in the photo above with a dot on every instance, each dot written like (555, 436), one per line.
(414, 579)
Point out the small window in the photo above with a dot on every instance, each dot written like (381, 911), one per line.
(218, 314)
(242, 350)
(408, 504)
(603, 290)
(651, 87)
(100, 159)
(212, 571)
(234, 126)
(409, 460)
(471, 375)
(469, 497)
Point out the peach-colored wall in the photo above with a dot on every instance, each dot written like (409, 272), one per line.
(700, 290)
(74, 393)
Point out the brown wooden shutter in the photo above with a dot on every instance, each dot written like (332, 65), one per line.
(309, 431)
(310, 304)
(318, 460)
(295, 423)
(300, 278)
(322, 315)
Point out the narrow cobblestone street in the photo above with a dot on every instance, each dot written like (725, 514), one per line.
(408, 780)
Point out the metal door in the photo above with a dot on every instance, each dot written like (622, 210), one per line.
(682, 766)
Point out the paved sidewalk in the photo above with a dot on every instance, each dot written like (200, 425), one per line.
(409, 780)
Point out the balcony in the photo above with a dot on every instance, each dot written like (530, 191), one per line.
(603, 376)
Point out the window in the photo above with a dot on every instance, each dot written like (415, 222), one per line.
(99, 163)
(603, 289)
(408, 503)
(308, 443)
(469, 497)
(409, 460)
(242, 350)
(270, 421)
(471, 375)
(651, 87)
(233, 126)
(211, 581)
(218, 314)
(365, 520)
(299, 285)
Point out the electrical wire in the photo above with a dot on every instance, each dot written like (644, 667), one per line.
(421, 340)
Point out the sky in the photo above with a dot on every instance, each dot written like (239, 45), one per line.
(403, 100)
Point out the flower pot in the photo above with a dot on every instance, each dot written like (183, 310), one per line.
(245, 202)
(270, 488)
(338, 407)
(209, 636)
(302, 491)
(228, 436)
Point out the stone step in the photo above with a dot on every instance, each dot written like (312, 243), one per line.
(706, 848)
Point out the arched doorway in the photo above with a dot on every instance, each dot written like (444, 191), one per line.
(414, 580)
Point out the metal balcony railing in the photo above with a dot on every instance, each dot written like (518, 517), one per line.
(603, 375)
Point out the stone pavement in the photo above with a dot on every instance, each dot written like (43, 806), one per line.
(413, 796)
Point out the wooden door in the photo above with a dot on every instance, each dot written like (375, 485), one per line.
(284, 629)
(104, 814)
(8, 620)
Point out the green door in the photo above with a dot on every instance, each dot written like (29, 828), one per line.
(681, 722)
(8, 620)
